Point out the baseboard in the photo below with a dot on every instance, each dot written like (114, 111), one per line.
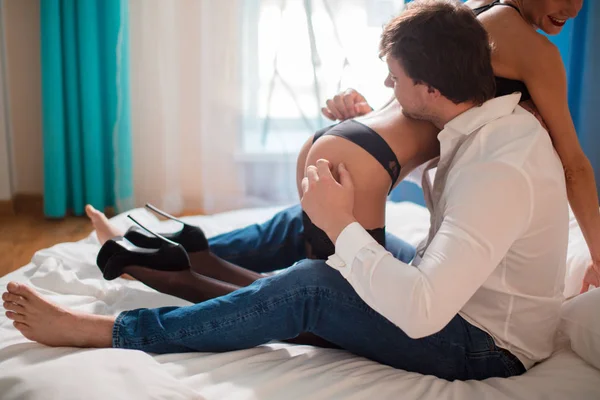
(32, 204)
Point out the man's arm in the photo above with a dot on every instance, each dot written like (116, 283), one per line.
(487, 210)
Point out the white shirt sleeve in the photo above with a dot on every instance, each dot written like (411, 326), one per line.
(488, 206)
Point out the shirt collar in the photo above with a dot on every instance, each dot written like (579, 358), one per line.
(476, 117)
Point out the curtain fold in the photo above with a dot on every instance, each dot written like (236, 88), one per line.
(186, 104)
(85, 94)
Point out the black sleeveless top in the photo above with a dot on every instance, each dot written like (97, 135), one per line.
(506, 86)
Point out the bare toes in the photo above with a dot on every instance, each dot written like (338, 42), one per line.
(15, 316)
(6, 296)
(13, 307)
(90, 211)
(22, 290)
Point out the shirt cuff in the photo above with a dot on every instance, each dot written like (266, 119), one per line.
(349, 243)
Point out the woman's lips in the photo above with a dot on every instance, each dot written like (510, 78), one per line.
(557, 22)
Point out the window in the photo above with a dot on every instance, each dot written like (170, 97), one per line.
(291, 64)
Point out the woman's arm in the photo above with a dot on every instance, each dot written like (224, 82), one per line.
(348, 104)
(545, 77)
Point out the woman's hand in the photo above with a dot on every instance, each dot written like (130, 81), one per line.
(591, 277)
(345, 105)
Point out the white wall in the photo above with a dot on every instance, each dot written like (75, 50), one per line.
(5, 167)
(21, 23)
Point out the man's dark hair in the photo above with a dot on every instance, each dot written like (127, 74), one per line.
(440, 43)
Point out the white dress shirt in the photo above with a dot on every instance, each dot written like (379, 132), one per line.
(498, 250)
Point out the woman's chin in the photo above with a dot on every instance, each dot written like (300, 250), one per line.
(552, 30)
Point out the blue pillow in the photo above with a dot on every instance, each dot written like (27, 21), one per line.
(408, 191)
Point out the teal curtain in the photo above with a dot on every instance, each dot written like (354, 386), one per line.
(579, 45)
(86, 105)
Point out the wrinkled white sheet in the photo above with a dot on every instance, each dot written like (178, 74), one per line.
(67, 274)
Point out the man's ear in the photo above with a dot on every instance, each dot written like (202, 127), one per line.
(433, 92)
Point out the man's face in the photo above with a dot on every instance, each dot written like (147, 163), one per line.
(413, 98)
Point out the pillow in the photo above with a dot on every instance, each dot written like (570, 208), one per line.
(580, 322)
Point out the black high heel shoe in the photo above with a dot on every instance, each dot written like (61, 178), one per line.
(118, 253)
(190, 237)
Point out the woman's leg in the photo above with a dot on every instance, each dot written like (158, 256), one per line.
(308, 297)
(265, 247)
(186, 284)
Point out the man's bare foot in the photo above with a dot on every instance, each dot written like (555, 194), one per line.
(104, 229)
(44, 322)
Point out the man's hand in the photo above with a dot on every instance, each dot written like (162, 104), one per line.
(345, 105)
(591, 277)
(329, 204)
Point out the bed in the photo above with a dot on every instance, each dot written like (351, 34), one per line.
(67, 274)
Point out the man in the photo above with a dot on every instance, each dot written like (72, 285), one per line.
(483, 298)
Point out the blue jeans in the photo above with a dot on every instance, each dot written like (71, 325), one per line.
(312, 297)
(279, 243)
(307, 297)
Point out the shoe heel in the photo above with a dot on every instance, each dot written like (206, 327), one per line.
(191, 237)
(164, 239)
(162, 213)
(177, 250)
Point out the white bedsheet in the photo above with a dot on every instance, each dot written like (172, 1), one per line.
(67, 274)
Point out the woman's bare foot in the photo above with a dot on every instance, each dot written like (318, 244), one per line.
(44, 322)
(104, 229)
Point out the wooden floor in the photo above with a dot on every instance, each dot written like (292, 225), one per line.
(28, 231)
(22, 235)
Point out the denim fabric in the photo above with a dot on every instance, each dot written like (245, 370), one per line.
(279, 243)
(312, 297)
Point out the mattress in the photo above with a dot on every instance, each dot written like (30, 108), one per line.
(67, 275)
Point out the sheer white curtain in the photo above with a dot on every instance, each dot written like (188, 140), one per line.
(212, 129)
(186, 103)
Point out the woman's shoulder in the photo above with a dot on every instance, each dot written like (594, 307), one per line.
(533, 50)
(516, 40)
